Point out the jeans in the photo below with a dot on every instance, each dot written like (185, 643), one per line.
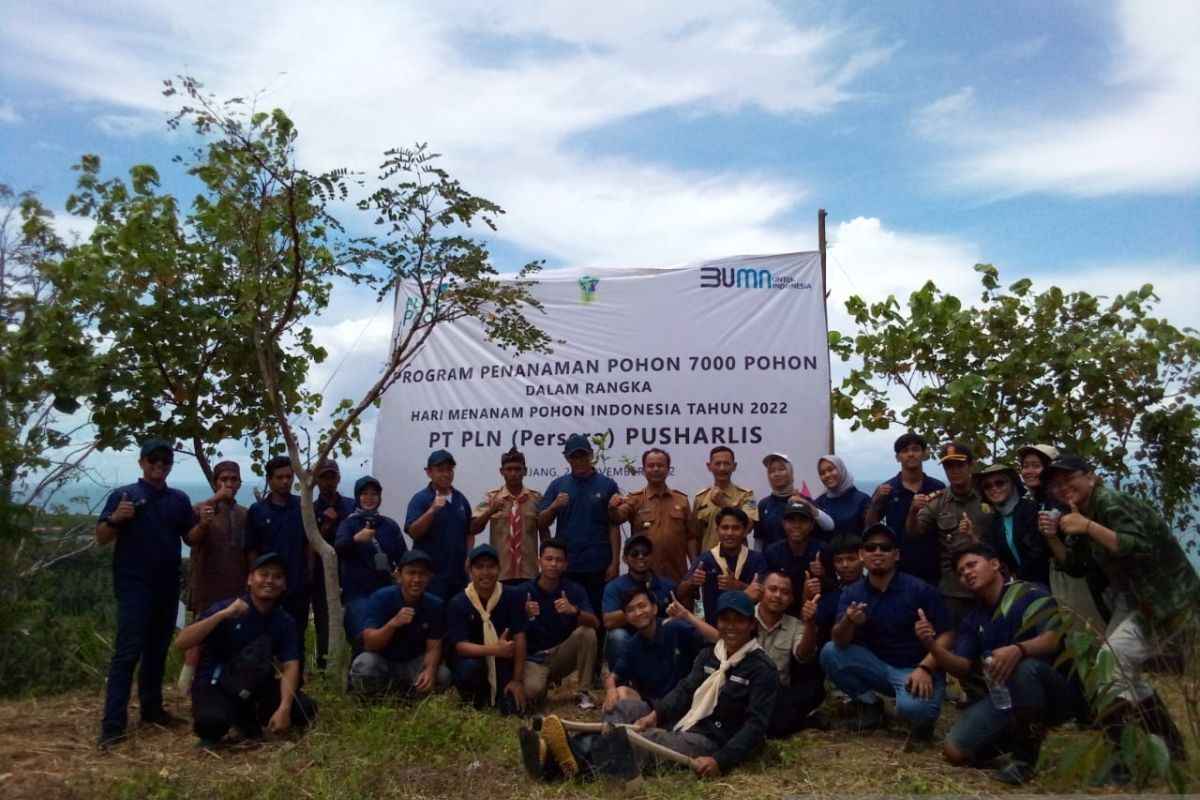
(145, 623)
(860, 673)
(371, 674)
(614, 640)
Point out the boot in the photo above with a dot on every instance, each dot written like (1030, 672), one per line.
(1157, 719)
(1027, 736)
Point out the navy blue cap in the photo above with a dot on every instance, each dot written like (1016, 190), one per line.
(482, 551)
(798, 508)
(576, 441)
(269, 558)
(440, 457)
(1069, 463)
(413, 557)
(635, 540)
(157, 443)
(880, 527)
(736, 600)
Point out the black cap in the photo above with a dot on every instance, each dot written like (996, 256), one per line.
(269, 558)
(576, 442)
(413, 557)
(484, 551)
(879, 527)
(635, 540)
(1069, 463)
(798, 509)
(440, 457)
(157, 443)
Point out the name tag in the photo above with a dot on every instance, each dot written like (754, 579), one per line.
(710, 670)
(739, 679)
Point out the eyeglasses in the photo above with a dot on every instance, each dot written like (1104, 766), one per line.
(995, 484)
(638, 552)
(883, 547)
(167, 460)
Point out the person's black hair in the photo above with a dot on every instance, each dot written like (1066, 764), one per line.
(780, 574)
(276, 463)
(845, 543)
(721, 449)
(736, 513)
(555, 544)
(910, 438)
(976, 549)
(630, 594)
(664, 453)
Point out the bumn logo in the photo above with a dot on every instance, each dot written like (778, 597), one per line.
(735, 278)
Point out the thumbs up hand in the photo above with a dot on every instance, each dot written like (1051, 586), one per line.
(924, 629)
(124, 510)
(532, 607)
(367, 533)
(965, 527)
(564, 606)
(812, 585)
(505, 647)
(809, 612)
(1074, 523)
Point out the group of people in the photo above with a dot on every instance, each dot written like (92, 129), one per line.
(728, 622)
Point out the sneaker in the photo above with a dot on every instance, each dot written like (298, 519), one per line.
(1014, 773)
(865, 716)
(110, 737)
(559, 745)
(161, 717)
(533, 753)
(585, 700)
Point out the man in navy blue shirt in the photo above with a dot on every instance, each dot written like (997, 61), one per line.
(874, 647)
(246, 640)
(439, 522)
(658, 655)
(561, 629)
(402, 637)
(485, 635)
(148, 521)
(892, 500)
(819, 611)
(799, 555)
(729, 566)
(639, 554)
(1022, 659)
(274, 525)
(331, 507)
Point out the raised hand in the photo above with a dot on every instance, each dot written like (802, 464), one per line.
(1074, 523)
(564, 606)
(699, 575)
(924, 629)
(857, 613)
(404, 617)
(124, 510)
(237, 608)
(532, 607)
(505, 647)
(808, 612)
(561, 501)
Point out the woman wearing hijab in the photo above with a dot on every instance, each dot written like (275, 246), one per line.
(1012, 526)
(846, 504)
(369, 546)
(782, 480)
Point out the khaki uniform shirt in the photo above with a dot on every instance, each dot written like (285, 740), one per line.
(665, 518)
(940, 518)
(704, 512)
(780, 643)
(499, 527)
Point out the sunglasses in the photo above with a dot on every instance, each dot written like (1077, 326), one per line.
(638, 552)
(168, 460)
(883, 547)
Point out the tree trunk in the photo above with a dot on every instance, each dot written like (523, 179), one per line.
(329, 566)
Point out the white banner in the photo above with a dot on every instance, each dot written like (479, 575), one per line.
(727, 352)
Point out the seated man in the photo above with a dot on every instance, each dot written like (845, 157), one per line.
(560, 633)
(731, 565)
(639, 554)
(657, 657)
(820, 607)
(485, 635)
(1022, 661)
(717, 715)
(402, 636)
(798, 555)
(248, 641)
(874, 647)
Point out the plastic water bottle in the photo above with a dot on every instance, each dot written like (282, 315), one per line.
(1001, 696)
(698, 607)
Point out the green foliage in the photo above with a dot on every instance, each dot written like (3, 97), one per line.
(1100, 377)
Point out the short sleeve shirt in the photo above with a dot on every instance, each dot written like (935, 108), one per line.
(550, 628)
(981, 631)
(409, 642)
(446, 540)
(704, 512)
(919, 554)
(779, 643)
(500, 525)
(232, 635)
(464, 623)
(666, 518)
(149, 546)
(655, 666)
(892, 614)
(583, 522)
(272, 528)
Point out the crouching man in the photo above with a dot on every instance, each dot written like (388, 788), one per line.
(714, 719)
(249, 670)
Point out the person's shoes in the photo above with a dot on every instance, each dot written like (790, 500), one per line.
(817, 721)
(585, 700)
(533, 753)
(161, 717)
(559, 745)
(865, 716)
(1014, 773)
(110, 737)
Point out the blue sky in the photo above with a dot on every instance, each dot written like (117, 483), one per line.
(1056, 140)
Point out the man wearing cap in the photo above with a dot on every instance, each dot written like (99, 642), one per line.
(331, 508)
(799, 555)
(662, 514)
(874, 647)
(1152, 590)
(892, 500)
(560, 632)
(510, 514)
(782, 481)
(274, 525)
(485, 637)
(147, 520)
(439, 522)
(724, 493)
(580, 505)
(248, 640)
(217, 563)
(369, 546)
(639, 552)
(955, 517)
(716, 717)
(402, 635)
(730, 566)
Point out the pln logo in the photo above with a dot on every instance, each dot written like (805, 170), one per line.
(587, 288)
(421, 311)
(746, 278)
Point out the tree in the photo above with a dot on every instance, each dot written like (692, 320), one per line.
(1101, 378)
(271, 222)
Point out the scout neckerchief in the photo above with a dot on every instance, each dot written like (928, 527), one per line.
(704, 700)
(489, 630)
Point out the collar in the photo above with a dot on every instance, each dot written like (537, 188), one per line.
(664, 492)
(762, 626)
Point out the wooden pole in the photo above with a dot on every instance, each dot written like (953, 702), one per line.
(825, 307)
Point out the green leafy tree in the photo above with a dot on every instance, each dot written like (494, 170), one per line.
(1100, 377)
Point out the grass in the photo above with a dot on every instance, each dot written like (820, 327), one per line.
(435, 749)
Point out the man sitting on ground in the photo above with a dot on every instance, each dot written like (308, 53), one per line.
(561, 629)
(820, 607)
(658, 655)
(728, 566)
(639, 552)
(246, 640)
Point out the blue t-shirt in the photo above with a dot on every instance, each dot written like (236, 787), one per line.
(446, 540)
(982, 631)
(655, 666)
(549, 628)
(769, 528)
(583, 523)
(920, 555)
(848, 512)
(659, 586)
(892, 614)
(279, 529)
(429, 622)
(364, 567)
(232, 635)
(149, 546)
(779, 557)
(342, 506)
(464, 624)
(710, 592)
(827, 607)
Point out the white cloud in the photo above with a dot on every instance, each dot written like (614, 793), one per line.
(1143, 140)
(945, 115)
(8, 113)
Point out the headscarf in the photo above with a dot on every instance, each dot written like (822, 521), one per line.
(790, 489)
(847, 481)
(360, 485)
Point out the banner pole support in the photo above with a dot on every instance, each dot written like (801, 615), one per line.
(825, 305)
